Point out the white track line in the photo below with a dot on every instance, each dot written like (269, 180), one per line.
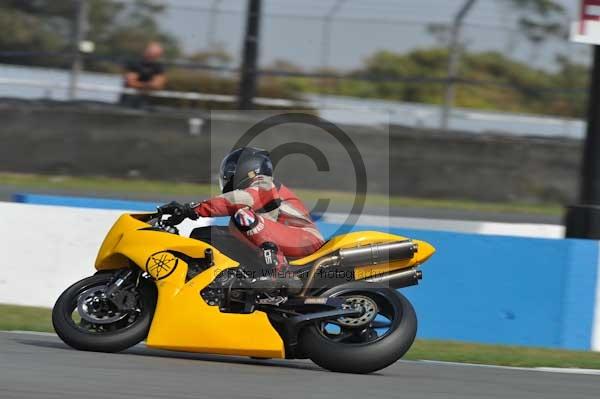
(568, 371)
(44, 334)
(539, 369)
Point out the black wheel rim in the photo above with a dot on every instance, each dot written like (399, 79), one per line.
(385, 322)
(125, 321)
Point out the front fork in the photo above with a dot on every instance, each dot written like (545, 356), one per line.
(118, 281)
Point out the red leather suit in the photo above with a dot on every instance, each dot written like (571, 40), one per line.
(267, 212)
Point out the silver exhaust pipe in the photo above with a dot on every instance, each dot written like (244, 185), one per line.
(374, 254)
(366, 255)
(398, 279)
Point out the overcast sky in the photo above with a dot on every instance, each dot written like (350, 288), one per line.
(292, 30)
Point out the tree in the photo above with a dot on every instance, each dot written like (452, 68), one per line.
(217, 56)
(119, 30)
(122, 31)
(497, 82)
(537, 20)
(23, 29)
(540, 19)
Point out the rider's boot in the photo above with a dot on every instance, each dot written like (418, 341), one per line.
(280, 275)
(277, 274)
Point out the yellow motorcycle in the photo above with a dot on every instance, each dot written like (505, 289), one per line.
(209, 293)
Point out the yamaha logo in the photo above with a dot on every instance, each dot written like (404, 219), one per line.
(161, 264)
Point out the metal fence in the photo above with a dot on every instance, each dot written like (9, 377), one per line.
(327, 41)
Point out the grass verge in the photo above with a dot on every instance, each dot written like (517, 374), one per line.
(38, 319)
(113, 186)
(514, 356)
(25, 318)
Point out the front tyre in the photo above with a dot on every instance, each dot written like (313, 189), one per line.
(85, 322)
(366, 344)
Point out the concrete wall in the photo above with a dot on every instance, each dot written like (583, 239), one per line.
(100, 140)
(479, 288)
(536, 230)
(48, 248)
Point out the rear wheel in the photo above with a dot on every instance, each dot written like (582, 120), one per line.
(376, 339)
(84, 319)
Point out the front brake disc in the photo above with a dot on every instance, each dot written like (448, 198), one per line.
(95, 309)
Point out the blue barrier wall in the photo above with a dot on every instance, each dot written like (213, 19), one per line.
(504, 290)
(478, 288)
(85, 202)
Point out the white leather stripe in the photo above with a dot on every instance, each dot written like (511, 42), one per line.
(238, 197)
(289, 210)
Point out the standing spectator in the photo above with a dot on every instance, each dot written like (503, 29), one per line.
(144, 75)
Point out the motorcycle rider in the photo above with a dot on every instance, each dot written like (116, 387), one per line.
(264, 212)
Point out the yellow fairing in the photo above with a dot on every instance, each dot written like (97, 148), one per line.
(360, 238)
(183, 320)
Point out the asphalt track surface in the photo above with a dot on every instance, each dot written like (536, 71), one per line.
(41, 366)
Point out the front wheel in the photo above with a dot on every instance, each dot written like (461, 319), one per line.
(84, 319)
(379, 337)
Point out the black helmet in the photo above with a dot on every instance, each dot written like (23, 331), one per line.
(241, 165)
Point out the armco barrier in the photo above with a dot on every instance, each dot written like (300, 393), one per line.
(490, 289)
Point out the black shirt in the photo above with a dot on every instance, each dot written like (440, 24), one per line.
(146, 70)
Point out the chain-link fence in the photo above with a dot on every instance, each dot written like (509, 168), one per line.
(389, 54)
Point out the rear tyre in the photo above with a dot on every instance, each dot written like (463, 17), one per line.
(366, 348)
(127, 329)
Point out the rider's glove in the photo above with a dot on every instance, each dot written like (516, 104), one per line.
(179, 212)
(190, 211)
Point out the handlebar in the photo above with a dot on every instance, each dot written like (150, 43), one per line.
(167, 224)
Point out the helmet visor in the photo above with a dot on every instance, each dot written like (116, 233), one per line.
(227, 172)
